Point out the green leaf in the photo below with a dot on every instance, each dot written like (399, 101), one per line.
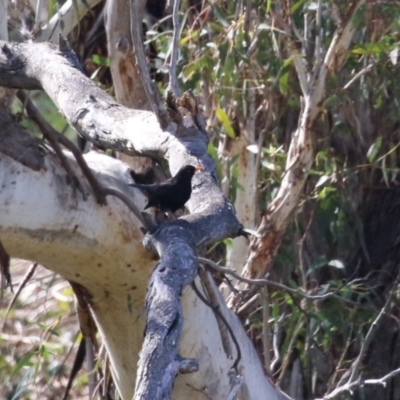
(25, 361)
(319, 261)
(252, 232)
(225, 121)
(296, 6)
(322, 180)
(212, 151)
(283, 83)
(217, 27)
(268, 165)
(264, 26)
(313, 6)
(374, 150)
(384, 172)
(253, 148)
(336, 264)
(228, 242)
(99, 60)
(393, 55)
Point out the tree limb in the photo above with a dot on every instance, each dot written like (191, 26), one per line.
(64, 20)
(101, 120)
(136, 12)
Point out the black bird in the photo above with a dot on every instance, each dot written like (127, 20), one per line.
(173, 193)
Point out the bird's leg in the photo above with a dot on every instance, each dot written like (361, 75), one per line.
(161, 217)
(165, 216)
(170, 215)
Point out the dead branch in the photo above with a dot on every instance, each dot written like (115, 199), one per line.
(25, 280)
(355, 379)
(371, 332)
(267, 282)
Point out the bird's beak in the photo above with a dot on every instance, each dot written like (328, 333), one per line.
(199, 168)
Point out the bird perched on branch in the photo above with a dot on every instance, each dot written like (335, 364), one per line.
(173, 193)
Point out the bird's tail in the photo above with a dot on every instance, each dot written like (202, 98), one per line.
(138, 185)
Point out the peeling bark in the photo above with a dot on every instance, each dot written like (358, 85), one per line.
(246, 193)
(126, 79)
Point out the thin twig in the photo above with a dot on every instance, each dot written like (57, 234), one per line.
(318, 41)
(344, 352)
(248, 304)
(217, 311)
(382, 381)
(128, 202)
(54, 138)
(355, 380)
(51, 135)
(23, 283)
(141, 62)
(285, 362)
(275, 341)
(237, 384)
(357, 75)
(5, 272)
(213, 300)
(301, 250)
(351, 386)
(371, 332)
(266, 329)
(263, 282)
(173, 78)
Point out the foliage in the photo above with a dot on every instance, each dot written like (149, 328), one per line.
(38, 337)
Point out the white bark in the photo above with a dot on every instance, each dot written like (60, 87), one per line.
(245, 202)
(3, 36)
(3, 20)
(66, 19)
(42, 13)
(246, 195)
(99, 248)
(127, 84)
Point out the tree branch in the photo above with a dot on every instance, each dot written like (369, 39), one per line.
(137, 38)
(101, 120)
(64, 20)
(173, 78)
(267, 282)
(371, 332)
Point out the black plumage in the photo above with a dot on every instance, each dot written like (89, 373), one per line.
(171, 194)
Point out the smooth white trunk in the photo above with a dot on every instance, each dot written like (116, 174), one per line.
(99, 248)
